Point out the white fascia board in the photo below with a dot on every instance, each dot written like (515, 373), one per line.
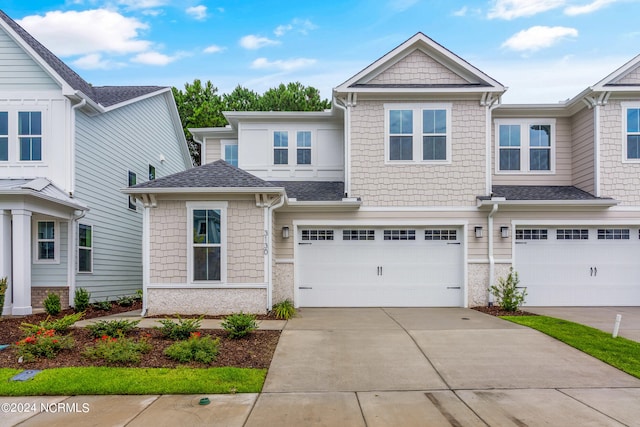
(574, 203)
(36, 194)
(600, 86)
(293, 203)
(233, 117)
(139, 98)
(217, 132)
(473, 89)
(204, 190)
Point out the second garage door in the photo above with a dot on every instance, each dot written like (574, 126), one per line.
(371, 267)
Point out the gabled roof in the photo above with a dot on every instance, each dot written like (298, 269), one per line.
(105, 96)
(40, 188)
(212, 176)
(613, 81)
(469, 78)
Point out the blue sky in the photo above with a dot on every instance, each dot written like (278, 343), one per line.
(543, 50)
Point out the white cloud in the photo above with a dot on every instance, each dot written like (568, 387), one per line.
(461, 12)
(587, 8)
(93, 61)
(302, 26)
(153, 58)
(510, 9)
(89, 31)
(213, 49)
(197, 12)
(252, 42)
(282, 29)
(538, 37)
(287, 65)
(142, 4)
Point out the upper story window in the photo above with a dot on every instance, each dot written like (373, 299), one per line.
(525, 146)
(418, 133)
(231, 154)
(4, 136)
(152, 172)
(280, 147)
(632, 134)
(30, 135)
(303, 144)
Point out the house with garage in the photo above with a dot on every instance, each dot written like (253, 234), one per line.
(417, 188)
(66, 150)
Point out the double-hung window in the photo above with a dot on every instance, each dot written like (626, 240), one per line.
(280, 147)
(85, 248)
(230, 152)
(525, 146)
(303, 144)
(30, 135)
(46, 246)
(21, 134)
(207, 223)
(631, 116)
(418, 133)
(4, 136)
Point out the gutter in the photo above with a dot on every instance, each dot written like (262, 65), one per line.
(191, 190)
(576, 203)
(346, 107)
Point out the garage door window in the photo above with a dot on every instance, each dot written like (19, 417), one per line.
(613, 234)
(572, 234)
(399, 234)
(531, 234)
(440, 235)
(358, 235)
(317, 234)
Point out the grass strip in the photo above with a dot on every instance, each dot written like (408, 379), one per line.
(104, 381)
(618, 352)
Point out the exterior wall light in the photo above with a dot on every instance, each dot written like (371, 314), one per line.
(478, 230)
(504, 231)
(285, 232)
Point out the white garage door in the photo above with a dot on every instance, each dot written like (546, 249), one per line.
(579, 266)
(380, 267)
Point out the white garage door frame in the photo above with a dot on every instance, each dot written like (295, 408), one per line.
(379, 223)
(594, 223)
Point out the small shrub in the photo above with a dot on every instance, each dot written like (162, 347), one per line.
(60, 326)
(3, 289)
(112, 328)
(139, 294)
(284, 310)
(126, 301)
(103, 305)
(196, 348)
(180, 329)
(509, 296)
(81, 299)
(118, 351)
(52, 304)
(43, 343)
(240, 324)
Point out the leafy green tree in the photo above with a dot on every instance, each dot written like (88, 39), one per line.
(241, 99)
(293, 97)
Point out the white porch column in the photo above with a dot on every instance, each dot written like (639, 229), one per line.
(21, 262)
(5, 256)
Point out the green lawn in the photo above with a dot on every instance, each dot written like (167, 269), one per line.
(101, 380)
(618, 352)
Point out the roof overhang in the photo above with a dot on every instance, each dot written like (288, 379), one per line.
(36, 194)
(233, 117)
(204, 190)
(588, 203)
(314, 205)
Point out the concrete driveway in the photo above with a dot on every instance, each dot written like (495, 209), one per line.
(390, 367)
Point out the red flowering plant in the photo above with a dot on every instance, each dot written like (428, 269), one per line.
(42, 343)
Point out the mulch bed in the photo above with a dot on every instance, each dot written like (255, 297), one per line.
(253, 351)
(496, 310)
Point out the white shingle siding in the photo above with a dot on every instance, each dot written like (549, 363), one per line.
(632, 77)
(168, 238)
(245, 242)
(417, 68)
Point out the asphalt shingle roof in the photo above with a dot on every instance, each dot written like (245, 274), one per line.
(313, 190)
(218, 174)
(540, 192)
(103, 95)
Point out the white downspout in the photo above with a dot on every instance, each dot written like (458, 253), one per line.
(492, 262)
(72, 169)
(596, 148)
(345, 106)
(268, 218)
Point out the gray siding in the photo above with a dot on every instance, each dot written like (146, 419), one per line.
(583, 150)
(19, 71)
(108, 146)
(53, 274)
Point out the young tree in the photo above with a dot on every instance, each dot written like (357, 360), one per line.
(293, 97)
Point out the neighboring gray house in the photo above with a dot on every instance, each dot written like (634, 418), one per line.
(66, 150)
(418, 188)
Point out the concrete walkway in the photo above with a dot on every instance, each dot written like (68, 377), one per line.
(390, 367)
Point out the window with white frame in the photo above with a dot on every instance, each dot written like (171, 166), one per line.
(525, 146)
(30, 135)
(132, 178)
(230, 152)
(303, 147)
(207, 253)
(280, 147)
(632, 131)
(46, 246)
(85, 248)
(418, 133)
(4, 136)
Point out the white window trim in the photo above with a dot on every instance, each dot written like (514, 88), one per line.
(13, 155)
(417, 132)
(525, 146)
(274, 148)
(56, 241)
(93, 244)
(625, 106)
(310, 147)
(222, 207)
(223, 144)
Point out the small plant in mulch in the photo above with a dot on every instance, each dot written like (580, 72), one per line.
(179, 329)
(508, 294)
(3, 289)
(195, 349)
(52, 304)
(284, 310)
(118, 351)
(102, 305)
(112, 328)
(239, 324)
(60, 326)
(81, 300)
(126, 301)
(43, 343)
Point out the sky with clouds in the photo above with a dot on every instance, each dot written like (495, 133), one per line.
(545, 51)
